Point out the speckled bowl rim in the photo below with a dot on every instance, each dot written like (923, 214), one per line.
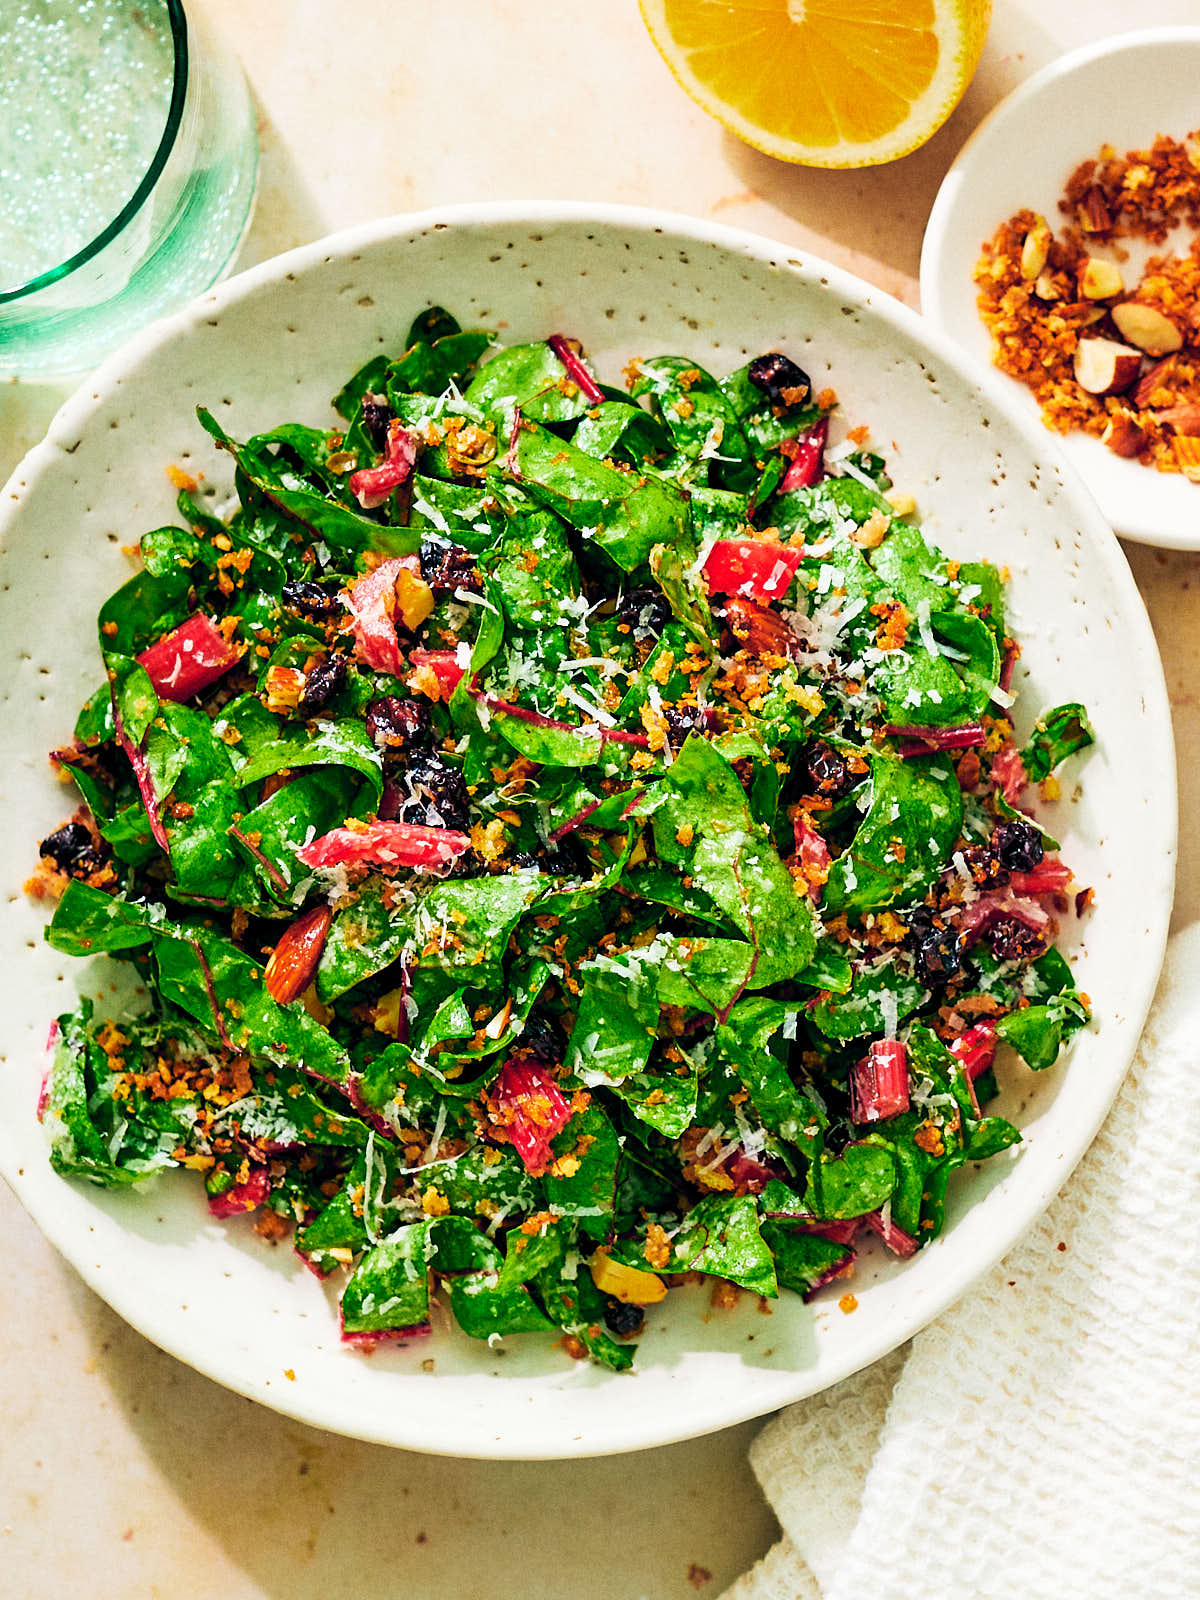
(777, 1387)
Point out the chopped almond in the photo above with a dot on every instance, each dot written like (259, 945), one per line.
(1100, 279)
(1124, 437)
(294, 960)
(1102, 366)
(1035, 249)
(1184, 419)
(1147, 327)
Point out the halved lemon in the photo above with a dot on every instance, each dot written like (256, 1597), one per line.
(829, 83)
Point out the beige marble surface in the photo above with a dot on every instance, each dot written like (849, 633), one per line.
(124, 1474)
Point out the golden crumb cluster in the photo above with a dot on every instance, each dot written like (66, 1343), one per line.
(1105, 351)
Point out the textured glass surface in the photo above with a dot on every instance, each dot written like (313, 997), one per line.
(127, 159)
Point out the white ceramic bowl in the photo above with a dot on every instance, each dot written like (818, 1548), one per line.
(275, 344)
(1123, 91)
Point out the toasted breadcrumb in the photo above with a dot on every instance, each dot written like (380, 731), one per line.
(1036, 323)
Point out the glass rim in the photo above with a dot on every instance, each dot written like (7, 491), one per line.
(137, 199)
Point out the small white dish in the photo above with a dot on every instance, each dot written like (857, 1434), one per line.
(276, 343)
(1122, 91)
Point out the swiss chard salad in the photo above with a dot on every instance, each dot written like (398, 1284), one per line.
(569, 839)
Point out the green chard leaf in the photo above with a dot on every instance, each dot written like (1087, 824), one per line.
(858, 1180)
(574, 1304)
(389, 1288)
(1057, 734)
(722, 1237)
(92, 1133)
(804, 1261)
(369, 379)
(730, 856)
(748, 1038)
(699, 418)
(905, 839)
(625, 515)
(529, 378)
(1038, 1032)
(617, 1020)
(311, 513)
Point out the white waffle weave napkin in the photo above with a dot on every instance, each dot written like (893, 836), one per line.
(1041, 1440)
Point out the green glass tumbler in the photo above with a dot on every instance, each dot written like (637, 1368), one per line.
(128, 159)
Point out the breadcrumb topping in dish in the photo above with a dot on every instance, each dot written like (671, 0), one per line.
(1107, 352)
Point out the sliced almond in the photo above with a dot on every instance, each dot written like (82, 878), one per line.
(1184, 419)
(1147, 327)
(1045, 288)
(1035, 249)
(294, 959)
(1102, 366)
(496, 1026)
(1100, 279)
(1124, 437)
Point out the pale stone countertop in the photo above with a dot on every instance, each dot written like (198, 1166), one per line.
(124, 1474)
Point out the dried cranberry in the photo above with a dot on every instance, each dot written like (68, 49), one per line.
(682, 720)
(555, 859)
(73, 850)
(824, 771)
(540, 1036)
(66, 844)
(1014, 940)
(433, 792)
(622, 1318)
(447, 567)
(376, 414)
(983, 863)
(1018, 845)
(310, 599)
(784, 383)
(321, 684)
(394, 723)
(935, 945)
(645, 612)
